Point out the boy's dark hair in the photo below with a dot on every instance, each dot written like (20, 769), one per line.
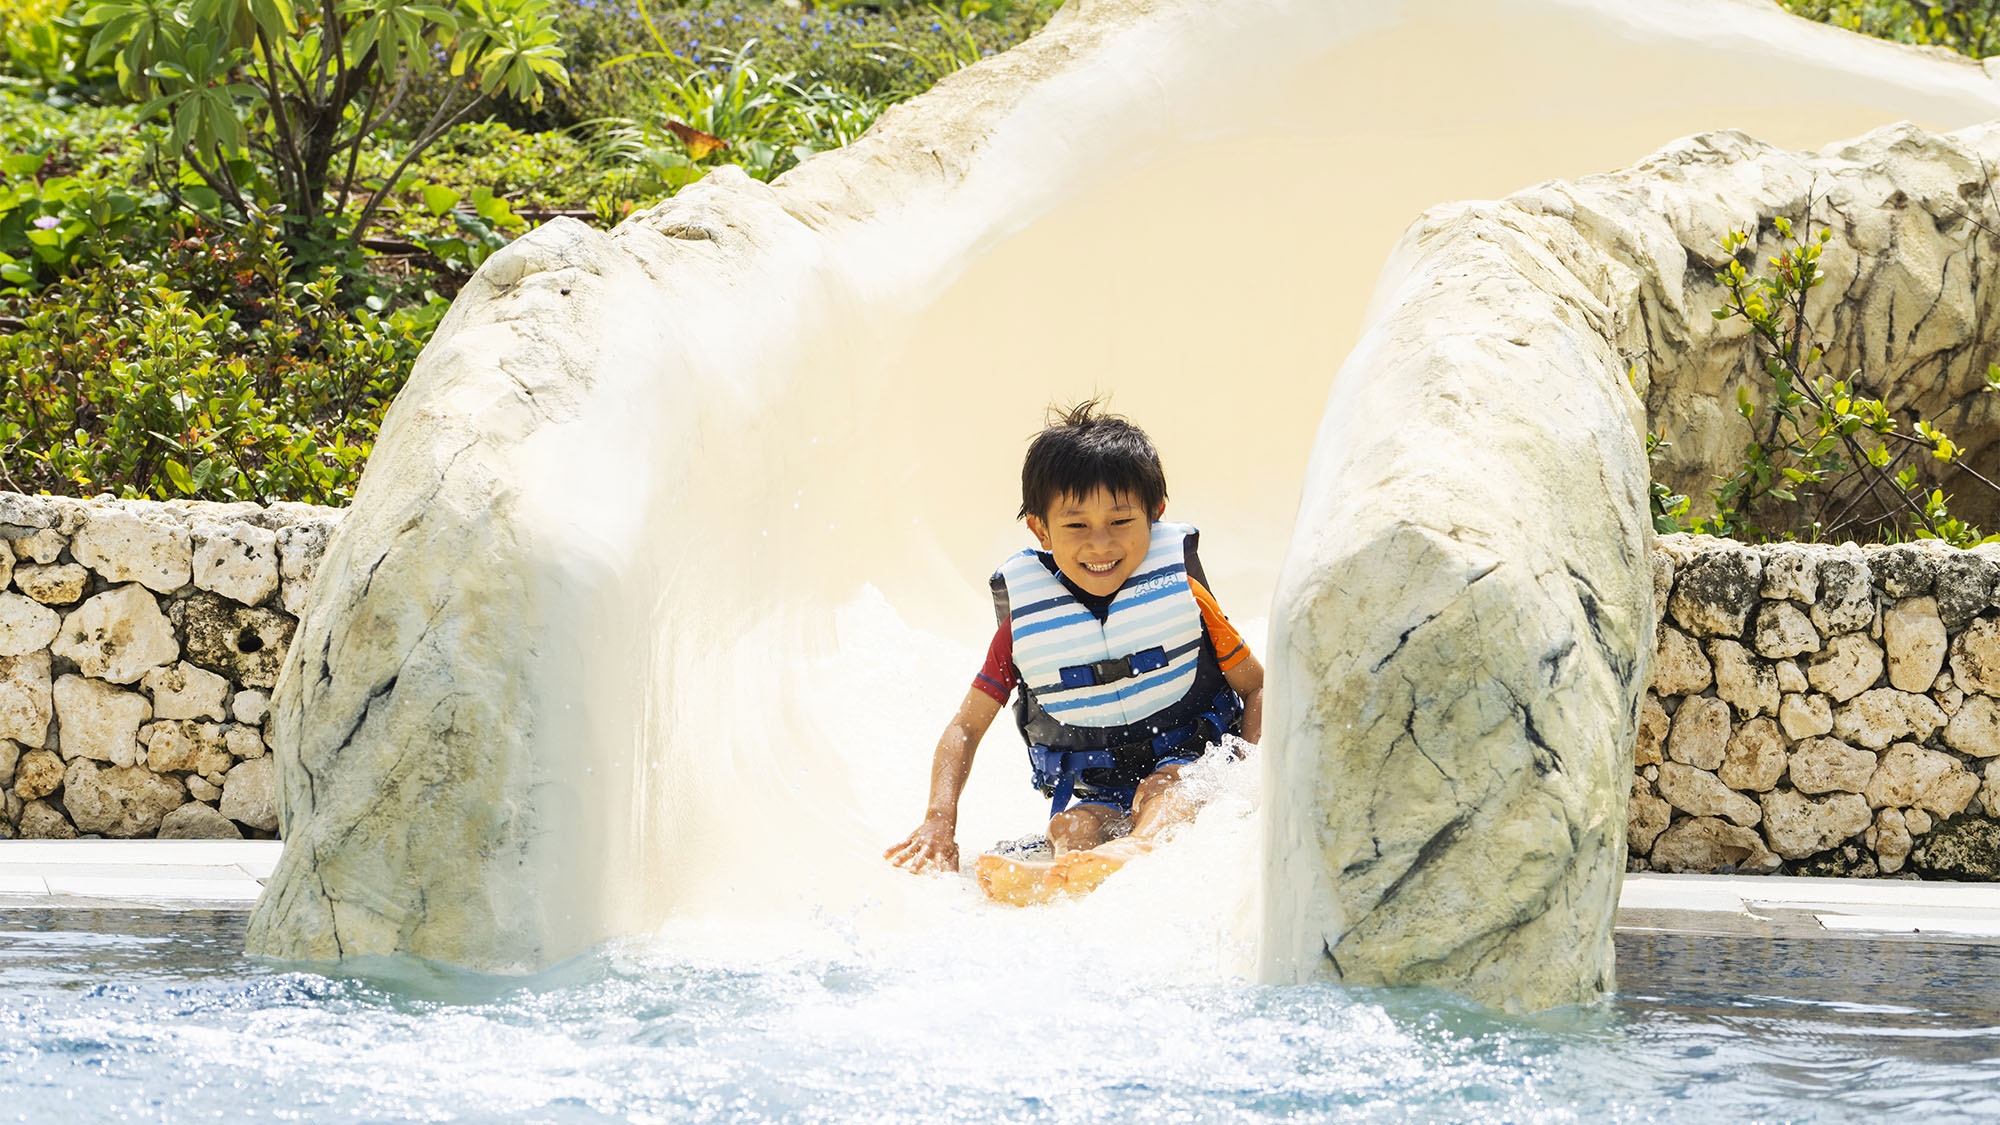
(1081, 450)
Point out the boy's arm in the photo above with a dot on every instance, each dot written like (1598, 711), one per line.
(1239, 667)
(934, 844)
(1247, 677)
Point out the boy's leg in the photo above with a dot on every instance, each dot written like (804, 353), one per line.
(1160, 804)
(1082, 827)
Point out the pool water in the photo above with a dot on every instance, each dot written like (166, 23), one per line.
(131, 1015)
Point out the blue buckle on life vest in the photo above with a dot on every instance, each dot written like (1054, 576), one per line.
(1111, 671)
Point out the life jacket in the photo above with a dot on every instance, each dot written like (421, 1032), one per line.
(1144, 674)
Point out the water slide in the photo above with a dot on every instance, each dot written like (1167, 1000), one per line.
(672, 559)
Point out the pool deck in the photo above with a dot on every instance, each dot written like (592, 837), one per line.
(226, 874)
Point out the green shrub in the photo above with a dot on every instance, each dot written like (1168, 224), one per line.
(1970, 27)
(216, 376)
(1824, 460)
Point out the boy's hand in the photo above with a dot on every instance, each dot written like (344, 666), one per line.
(932, 847)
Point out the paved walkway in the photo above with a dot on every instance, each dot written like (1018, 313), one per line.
(165, 874)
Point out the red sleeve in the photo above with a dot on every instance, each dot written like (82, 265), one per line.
(996, 677)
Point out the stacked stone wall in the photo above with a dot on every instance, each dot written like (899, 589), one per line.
(138, 646)
(1821, 710)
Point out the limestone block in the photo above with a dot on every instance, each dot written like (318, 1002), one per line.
(1791, 677)
(25, 625)
(1797, 826)
(1805, 716)
(1847, 594)
(1679, 667)
(250, 794)
(1700, 734)
(1965, 587)
(201, 789)
(10, 759)
(1975, 657)
(1889, 839)
(127, 546)
(99, 720)
(300, 546)
(118, 636)
(245, 644)
(1701, 793)
(1646, 817)
(1653, 726)
(1791, 572)
(1967, 848)
(38, 774)
(1915, 640)
(1828, 765)
(250, 706)
(1663, 582)
(43, 546)
(186, 745)
(239, 562)
(196, 821)
(6, 563)
(1714, 594)
(1784, 630)
(1974, 728)
(1913, 776)
(1879, 716)
(52, 585)
(1917, 821)
(1905, 570)
(120, 801)
(243, 742)
(184, 691)
(1950, 700)
(1746, 683)
(1847, 666)
(26, 705)
(1756, 758)
(41, 821)
(1706, 845)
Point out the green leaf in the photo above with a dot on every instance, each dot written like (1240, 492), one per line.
(437, 198)
(22, 163)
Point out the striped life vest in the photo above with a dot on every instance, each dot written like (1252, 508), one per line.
(1145, 669)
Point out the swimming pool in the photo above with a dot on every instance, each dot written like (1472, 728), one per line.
(136, 1015)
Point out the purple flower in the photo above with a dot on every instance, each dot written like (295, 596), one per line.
(48, 222)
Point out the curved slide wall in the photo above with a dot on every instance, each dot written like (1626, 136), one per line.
(672, 556)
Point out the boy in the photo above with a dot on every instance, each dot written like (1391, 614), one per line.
(1127, 669)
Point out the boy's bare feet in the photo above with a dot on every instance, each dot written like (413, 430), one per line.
(1021, 882)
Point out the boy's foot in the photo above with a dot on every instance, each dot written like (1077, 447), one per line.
(1017, 882)
(1014, 882)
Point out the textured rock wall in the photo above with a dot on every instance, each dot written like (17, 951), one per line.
(1905, 311)
(139, 643)
(1821, 710)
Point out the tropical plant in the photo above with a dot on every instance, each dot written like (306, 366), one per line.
(215, 374)
(1825, 458)
(272, 105)
(1970, 27)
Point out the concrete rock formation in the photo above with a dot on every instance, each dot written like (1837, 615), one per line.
(499, 719)
(1476, 489)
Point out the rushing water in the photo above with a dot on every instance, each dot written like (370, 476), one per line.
(156, 1016)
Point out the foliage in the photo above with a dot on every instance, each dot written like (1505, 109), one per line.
(1970, 27)
(1835, 458)
(217, 375)
(271, 106)
(176, 318)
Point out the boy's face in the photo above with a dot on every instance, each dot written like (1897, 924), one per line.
(1098, 540)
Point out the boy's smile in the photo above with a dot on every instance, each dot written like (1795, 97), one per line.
(1099, 540)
